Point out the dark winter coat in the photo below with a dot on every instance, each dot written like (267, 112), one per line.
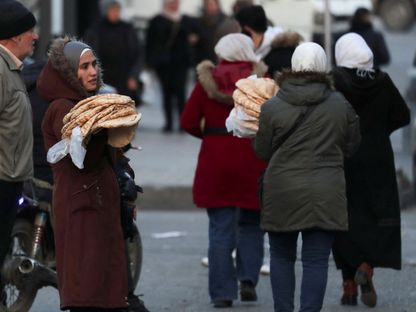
(374, 213)
(303, 185)
(207, 30)
(117, 46)
(280, 55)
(30, 73)
(89, 243)
(228, 170)
(167, 43)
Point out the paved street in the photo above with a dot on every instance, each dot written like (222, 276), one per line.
(173, 278)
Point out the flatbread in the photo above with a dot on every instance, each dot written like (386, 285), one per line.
(95, 101)
(243, 100)
(120, 137)
(248, 87)
(265, 87)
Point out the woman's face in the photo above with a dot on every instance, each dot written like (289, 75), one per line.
(87, 71)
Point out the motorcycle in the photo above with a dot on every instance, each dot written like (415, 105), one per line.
(30, 264)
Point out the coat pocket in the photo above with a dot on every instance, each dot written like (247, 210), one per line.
(86, 197)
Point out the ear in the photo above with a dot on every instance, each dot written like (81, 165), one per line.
(248, 29)
(16, 39)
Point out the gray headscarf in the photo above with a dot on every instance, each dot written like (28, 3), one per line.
(73, 51)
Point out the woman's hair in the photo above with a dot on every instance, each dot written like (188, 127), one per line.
(254, 17)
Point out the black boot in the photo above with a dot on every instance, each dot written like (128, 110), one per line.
(136, 304)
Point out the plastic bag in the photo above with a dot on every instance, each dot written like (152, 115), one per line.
(72, 146)
(233, 124)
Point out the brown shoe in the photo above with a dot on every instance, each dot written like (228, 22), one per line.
(349, 297)
(364, 278)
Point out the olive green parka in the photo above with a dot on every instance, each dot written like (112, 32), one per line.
(304, 185)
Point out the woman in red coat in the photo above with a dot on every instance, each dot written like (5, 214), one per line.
(90, 259)
(227, 173)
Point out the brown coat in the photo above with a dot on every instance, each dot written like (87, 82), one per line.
(91, 263)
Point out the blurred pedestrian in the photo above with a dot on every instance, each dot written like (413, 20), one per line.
(227, 173)
(118, 48)
(90, 258)
(304, 133)
(361, 24)
(17, 37)
(212, 16)
(169, 39)
(374, 238)
(30, 74)
(274, 46)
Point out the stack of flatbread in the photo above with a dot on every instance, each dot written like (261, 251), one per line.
(248, 98)
(112, 111)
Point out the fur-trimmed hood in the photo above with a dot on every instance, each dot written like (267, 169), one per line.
(60, 64)
(304, 88)
(219, 81)
(287, 39)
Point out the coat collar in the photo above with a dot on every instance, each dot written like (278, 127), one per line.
(12, 61)
(206, 78)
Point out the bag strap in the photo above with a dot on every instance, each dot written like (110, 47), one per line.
(297, 124)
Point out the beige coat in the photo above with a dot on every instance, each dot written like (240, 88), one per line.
(16, 138)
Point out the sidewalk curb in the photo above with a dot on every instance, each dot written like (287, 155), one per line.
(166, 198)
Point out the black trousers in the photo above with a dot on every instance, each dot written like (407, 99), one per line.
(9, 196)
(173, 82)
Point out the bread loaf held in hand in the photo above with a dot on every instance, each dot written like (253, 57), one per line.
(110, 111)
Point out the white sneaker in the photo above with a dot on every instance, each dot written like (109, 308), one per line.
(265, 269)
(205, 262)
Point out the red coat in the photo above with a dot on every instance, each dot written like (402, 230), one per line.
(89, 243)
(227, 172)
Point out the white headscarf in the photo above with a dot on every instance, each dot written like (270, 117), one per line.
(352, 51)
(235, 47)
(309, 56)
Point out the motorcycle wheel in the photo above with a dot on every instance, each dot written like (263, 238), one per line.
(135, 253)
(20, 293)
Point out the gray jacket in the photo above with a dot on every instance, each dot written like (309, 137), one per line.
(304, 184)
(16, 139)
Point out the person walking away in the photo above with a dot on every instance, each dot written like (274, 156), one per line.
(118, 48)
(212, 16)
(17, 37)
(227, 172)
(374, 236)
(169, 39)
(89, 244)
(361, 24)
(305, 132)
(30, 73)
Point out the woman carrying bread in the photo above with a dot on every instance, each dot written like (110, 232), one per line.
(305, 132)
(227, 173)
(90, 258)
